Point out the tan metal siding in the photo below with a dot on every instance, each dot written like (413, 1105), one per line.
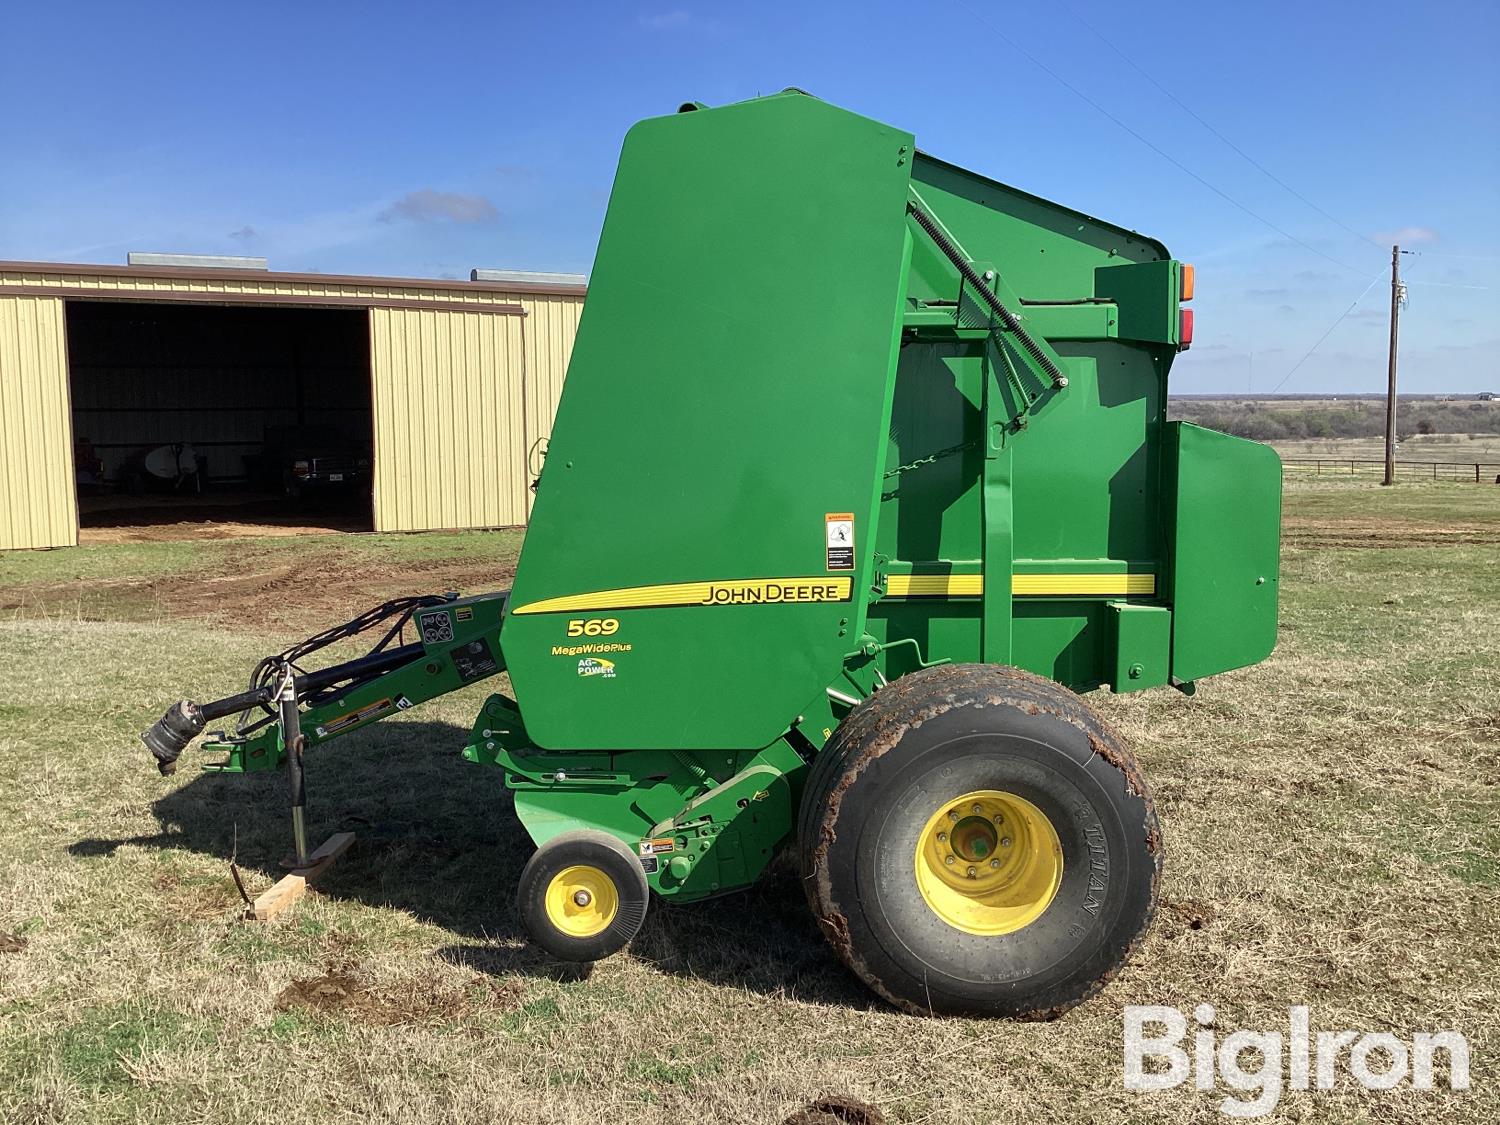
(37, 505)
(551, 325)
(450, 420)
(80, 281)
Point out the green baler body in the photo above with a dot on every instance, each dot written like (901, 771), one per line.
(766, 343)
(795, 458)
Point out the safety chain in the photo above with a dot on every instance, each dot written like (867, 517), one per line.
(930, 458)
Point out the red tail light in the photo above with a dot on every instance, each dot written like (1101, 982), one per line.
(1185, 329)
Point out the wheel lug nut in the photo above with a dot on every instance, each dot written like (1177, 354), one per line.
(994, 863)
(582, 898)
(952, 814)
(978, 807)
(942, 836)
(948, 860)
(999, 818)
(1005, 841)
(972, 872)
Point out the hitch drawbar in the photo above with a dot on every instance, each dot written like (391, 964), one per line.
(286, 710)
(460, 643)
(185, 720)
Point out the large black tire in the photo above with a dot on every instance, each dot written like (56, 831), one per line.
(587, 863)
(889, 780)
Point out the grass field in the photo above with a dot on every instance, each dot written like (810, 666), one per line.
(1332, 823)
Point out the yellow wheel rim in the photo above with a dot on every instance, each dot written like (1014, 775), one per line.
(988, 863)
(582, 901)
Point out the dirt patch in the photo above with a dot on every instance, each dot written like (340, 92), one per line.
(11, 943)
(336, 993)
(318, 593)
(316, 590)
(340, 992)
(1188, 915)
(122, 518)
(837, 1109)
(201, 529)
(1322, 531)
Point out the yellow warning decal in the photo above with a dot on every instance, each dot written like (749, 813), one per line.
(748, 591)
(368, 711)
(1021, 585)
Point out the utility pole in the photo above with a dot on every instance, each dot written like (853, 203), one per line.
(1390, 392)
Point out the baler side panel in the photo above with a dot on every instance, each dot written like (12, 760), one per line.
(728, 392)
(1086, 472)
(1226, 551)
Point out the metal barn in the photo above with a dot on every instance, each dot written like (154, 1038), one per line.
(450, 386)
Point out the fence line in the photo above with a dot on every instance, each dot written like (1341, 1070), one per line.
(1475, 472)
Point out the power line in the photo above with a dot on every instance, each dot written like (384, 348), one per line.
(1465, 257)
(1187, 109)
(1329, 333)
(1060, 80)
(1450, 285)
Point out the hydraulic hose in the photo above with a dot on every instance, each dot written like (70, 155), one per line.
(184, 721)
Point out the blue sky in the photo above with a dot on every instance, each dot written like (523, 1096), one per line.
(423, 139)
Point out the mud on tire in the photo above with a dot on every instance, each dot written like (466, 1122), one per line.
(1021, 900)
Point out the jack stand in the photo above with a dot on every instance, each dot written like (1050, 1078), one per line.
(293, 885)
(294, 741)
(304, 866)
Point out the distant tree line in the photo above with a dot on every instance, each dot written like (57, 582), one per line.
(1266, 422)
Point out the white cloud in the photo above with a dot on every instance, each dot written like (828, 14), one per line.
(427, 206)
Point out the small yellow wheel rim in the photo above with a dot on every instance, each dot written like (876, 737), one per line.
(582, 901)
(988, 863)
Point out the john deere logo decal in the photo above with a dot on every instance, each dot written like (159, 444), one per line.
(594, 666)
(742, 591)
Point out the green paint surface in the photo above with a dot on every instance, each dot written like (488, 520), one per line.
(728, 390)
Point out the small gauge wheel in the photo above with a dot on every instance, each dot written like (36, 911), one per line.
(582, 896)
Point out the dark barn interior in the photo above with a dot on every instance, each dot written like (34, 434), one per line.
(226, 413)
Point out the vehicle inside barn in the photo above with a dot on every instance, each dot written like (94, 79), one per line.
(229, 414)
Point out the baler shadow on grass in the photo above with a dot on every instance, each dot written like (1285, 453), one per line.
(437, 840)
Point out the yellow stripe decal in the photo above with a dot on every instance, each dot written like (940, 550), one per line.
(734, 591)
(1022, 585)
(934, 585)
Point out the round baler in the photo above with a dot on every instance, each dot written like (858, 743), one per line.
(860, 474)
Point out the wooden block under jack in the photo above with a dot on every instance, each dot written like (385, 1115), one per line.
(293, 885)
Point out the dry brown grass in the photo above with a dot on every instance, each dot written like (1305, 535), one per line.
(1332, 822)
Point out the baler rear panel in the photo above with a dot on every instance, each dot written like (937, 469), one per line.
(1084, 473)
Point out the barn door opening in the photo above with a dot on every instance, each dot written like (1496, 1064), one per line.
(194, 421)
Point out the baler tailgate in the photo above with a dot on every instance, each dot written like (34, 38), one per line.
(1226, 541)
